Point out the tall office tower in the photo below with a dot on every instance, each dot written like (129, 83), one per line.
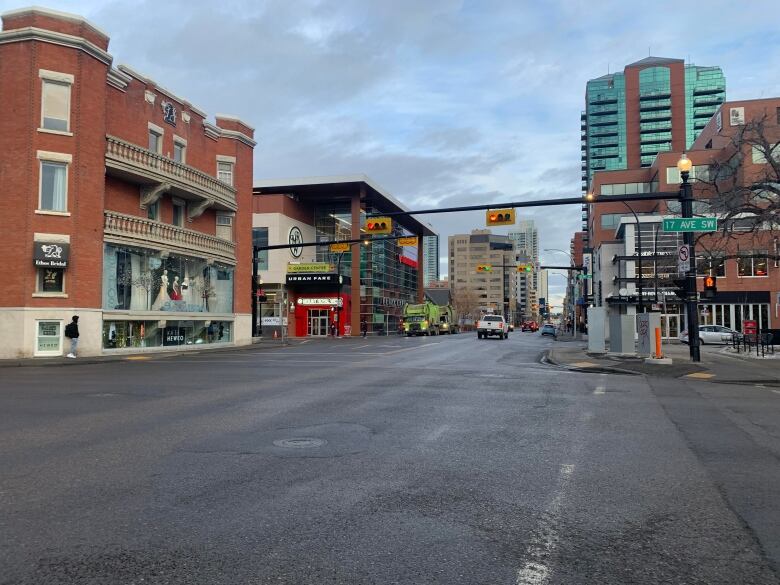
(430, 259)
(492, 290)
(526, 241)
(655, 105)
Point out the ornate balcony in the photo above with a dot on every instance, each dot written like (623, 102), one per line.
(138, 231)
(158, 174)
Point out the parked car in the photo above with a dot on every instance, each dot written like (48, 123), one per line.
(712, 334)
(549, 329)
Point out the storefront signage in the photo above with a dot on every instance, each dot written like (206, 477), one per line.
(51, 254)
(310, 267)
(272, 321)
(390, 302)
(312, 279)
(173, 336)
(336, 248)
(295, 238)
(410, 241)
(331, 301)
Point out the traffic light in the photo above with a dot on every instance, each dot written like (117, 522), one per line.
(500, 217)
(379, 225)
(710, 287)
(484, 268)
(525, 267)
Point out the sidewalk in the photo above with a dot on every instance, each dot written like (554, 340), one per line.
(148, 355)
(717, 365)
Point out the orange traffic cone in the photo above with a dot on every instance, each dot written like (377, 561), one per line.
(276, 334)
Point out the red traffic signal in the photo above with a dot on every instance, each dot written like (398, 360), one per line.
(379, 225)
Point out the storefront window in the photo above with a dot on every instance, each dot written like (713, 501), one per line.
(124, 334)
(48, 338)
(136, 279)
(753, 265)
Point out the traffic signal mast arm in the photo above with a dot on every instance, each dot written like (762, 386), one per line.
(658, 196)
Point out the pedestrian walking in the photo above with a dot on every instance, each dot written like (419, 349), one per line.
(333, 329)
(363, 327)
(72, 333)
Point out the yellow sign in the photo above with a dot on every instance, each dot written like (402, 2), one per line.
(310, 267)
(410, 241)
(339, 247)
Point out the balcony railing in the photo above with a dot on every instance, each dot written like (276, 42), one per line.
(151, 168)
(133, 230)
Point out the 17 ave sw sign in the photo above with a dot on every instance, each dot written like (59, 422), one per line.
(691, 224)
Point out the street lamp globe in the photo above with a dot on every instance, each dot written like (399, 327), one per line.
(684, 164)
(589, 197)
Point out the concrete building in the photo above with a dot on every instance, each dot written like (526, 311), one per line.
(745, 262)
(475, 293)
(311, 288)
(525, 238)
(122, 203)
(431, 259)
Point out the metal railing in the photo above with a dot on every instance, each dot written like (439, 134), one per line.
(131, 229)
(128, 156)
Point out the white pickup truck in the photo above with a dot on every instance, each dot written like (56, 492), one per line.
(492, 325)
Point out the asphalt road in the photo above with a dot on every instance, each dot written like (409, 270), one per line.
(428, 460)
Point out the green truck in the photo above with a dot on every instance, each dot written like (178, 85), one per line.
(448, 320)
(429, 318)
(422, 319)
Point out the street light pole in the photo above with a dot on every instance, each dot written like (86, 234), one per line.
(575, 286)
(691, 302)
(338, 294)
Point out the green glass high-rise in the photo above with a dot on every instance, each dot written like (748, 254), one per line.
(654, 105)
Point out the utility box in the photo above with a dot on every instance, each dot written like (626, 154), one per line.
(621, 333)
(646, 324)
(597, 326)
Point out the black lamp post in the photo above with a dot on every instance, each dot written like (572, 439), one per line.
(691, 302)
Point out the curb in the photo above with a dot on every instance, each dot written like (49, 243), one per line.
(140, 356)
(547, 359)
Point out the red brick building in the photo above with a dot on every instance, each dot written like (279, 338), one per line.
(122, 203)
(745, 263)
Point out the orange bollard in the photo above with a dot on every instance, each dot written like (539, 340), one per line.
(658, 353)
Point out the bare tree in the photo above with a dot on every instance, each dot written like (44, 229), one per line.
(742, 187)
(465, 303)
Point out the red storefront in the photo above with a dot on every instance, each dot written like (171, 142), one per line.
(316, 313)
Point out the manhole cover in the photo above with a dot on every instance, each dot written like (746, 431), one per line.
(300, 443)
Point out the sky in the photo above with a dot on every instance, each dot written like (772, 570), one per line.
(441, 102)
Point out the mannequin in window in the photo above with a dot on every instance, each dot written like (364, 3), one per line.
(162, 296)
(176, 289)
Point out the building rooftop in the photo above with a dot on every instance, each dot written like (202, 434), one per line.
(655, 61)
(343, 187)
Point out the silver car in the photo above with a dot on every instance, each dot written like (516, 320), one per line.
(712, 334)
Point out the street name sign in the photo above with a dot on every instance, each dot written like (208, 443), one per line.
(339, 248)
(408, 241)
(690, 224)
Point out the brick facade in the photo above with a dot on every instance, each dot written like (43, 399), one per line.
(105, 103)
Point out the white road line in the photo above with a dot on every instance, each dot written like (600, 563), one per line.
(545, 542)
(436, 433)
(599, 390)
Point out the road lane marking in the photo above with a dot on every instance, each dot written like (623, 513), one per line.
(436, 433)
(700, 375)
(599, 390)
(545, 542)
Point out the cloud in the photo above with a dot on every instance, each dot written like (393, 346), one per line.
(442, 102)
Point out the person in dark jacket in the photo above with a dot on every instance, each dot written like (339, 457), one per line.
(72, 333)
(363, 327)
